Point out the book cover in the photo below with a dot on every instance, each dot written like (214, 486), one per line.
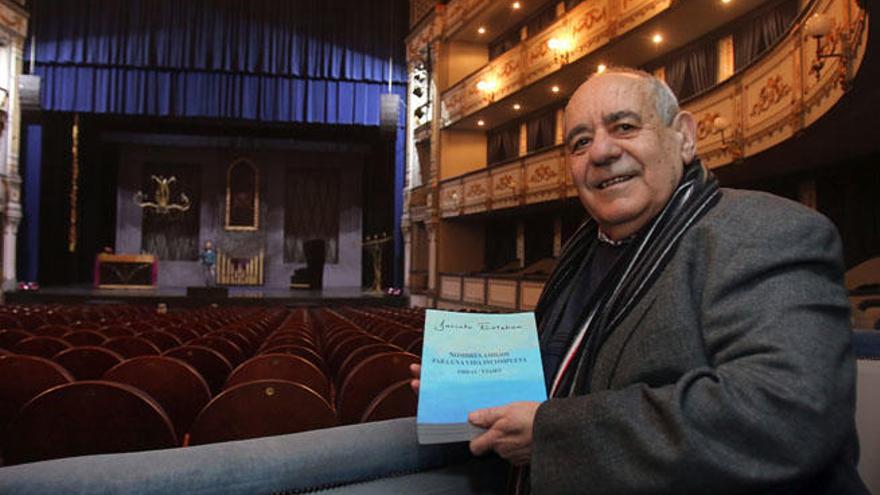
(473, 361)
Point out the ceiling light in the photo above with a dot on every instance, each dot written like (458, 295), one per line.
(480, 123)
(516, 5)
(601, 68)
(725, 1)
(657, 39)
(555, 89)
(481, 30)
(516, 106)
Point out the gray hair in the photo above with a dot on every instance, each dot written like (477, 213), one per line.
(665, 101)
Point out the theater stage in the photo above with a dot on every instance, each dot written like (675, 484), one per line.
(176, 297)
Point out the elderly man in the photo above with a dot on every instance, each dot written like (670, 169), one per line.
(695, 339)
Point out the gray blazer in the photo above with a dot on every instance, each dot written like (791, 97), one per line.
(733, 374)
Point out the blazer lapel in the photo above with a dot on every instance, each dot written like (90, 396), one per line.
(609, 354)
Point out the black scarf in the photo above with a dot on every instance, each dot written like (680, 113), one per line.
(624, 285)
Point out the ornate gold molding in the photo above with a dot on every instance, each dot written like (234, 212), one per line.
(773, 91)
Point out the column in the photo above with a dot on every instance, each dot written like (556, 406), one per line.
(431, 227)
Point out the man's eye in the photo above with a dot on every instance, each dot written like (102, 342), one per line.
(580, 143)
(625, 127)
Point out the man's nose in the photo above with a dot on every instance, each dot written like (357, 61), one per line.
(603, 149)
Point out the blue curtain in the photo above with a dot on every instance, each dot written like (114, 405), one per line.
(321, 61)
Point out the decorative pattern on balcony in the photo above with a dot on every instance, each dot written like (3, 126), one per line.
(531, 179)
(779, 95)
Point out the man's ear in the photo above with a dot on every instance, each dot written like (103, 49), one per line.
(685, 127)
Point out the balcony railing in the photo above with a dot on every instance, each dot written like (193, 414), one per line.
(464, 291)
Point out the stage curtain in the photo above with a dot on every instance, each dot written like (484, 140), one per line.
(316, 61)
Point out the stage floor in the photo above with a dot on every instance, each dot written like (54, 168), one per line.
(177, 297)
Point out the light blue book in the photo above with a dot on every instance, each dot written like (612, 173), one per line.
(473, 361)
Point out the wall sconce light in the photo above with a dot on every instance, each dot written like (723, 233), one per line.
(561, 48)
(732, 144)
(821, 25)
(487, 87)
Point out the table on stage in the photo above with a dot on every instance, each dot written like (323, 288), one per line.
(125, 271)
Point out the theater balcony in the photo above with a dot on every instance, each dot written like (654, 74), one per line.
(486, 152)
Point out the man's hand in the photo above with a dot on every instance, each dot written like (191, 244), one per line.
(509, 431)
(416, 371)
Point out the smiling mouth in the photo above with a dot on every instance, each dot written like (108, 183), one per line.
(616, 180)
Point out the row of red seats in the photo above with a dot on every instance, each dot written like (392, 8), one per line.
(297, 356)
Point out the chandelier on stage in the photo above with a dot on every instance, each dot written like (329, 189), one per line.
(162, 197)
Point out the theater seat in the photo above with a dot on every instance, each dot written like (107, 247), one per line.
(213, 366)
(281, 367)
(87, 362)
(40, 346)
(261, 408)
(89, 417)
(24, 377)
(368, 379)
(130, 347)
(396, 401)
(176, 386)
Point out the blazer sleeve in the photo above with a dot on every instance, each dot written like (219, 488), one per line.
(772, 409)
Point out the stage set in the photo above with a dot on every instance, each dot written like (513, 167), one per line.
(189, 140)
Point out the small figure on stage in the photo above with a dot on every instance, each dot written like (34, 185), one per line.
(208, 259)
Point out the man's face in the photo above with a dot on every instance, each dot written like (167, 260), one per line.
(624, 159)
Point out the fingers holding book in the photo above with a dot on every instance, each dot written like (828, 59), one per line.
(416, 372)
(508, 431)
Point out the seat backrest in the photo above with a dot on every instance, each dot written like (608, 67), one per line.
(9, 321)
(130, 347)
(229, 349)
(84, 337)
(87, 362)
(355, 357)
(161, 339)
(10, 337)
(368, 379)
(174, 384)
(344, 347)
(40, 346)
(88, 417)
(213, 366)
(396, 401)
(261, 408)
(111, 331)
(298, 350)
(52, 330)
(24, 377)
(185, 334)
(281, 367)
(867, 348)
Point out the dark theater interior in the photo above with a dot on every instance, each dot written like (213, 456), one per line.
(225, 223)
